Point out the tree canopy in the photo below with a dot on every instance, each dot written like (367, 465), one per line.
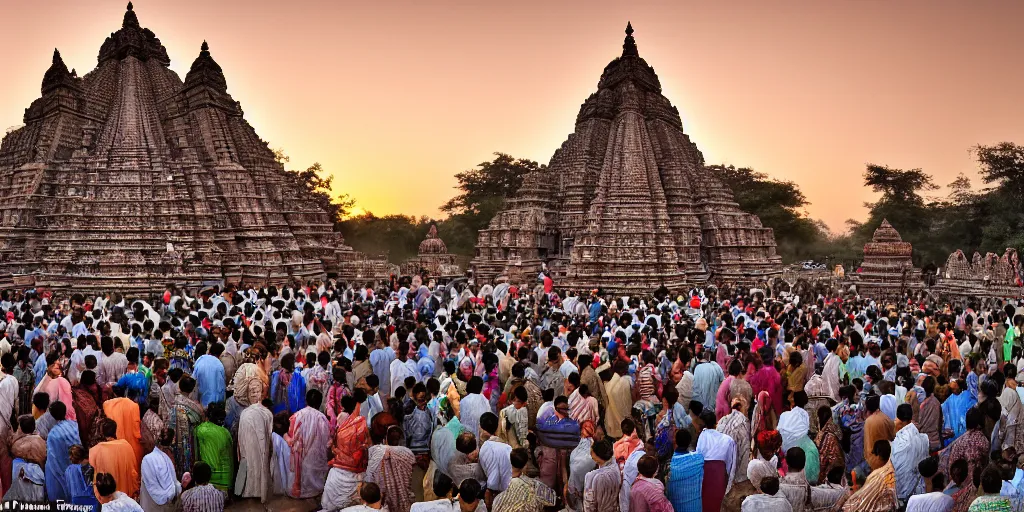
(484, 188)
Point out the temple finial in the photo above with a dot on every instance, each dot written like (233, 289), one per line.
(629, 46)
(205, 47)
(130, 18)
(56, 56)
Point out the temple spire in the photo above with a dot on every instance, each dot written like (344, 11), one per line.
(629, 46)
(130, 18)
(57, 75)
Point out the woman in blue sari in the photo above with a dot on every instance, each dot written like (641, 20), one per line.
(78, 477)
(954, 411)
(288, 387)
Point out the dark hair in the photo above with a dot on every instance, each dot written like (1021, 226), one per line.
(836, 474)
(628, 426)
(109, 428)
(991, 479)
(465, 443)
(369, 492)
(475, 385)
(314, 398)
(648, 466)
(489, 422)
(201, 473)
(27, 424)
(105, 484)
(882, 449)
(872, 403)
(519, 457)
(442, 484)
(603, 449)
(770, 485)
(904, 413)
(800, 399)
(928, 466)
(58, 410)
(796, 459)
(683, 438)
(186, 384)
(958, 471)
(469, 491)
(41, 401)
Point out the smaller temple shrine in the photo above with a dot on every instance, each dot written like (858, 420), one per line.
(887, 270)
(433, 259)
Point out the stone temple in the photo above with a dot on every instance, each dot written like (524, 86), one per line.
(129, 178)
(625, 204)
(432, 259)
(887, 269)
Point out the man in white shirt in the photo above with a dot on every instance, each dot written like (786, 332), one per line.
(494, 458)
(401, 368)
(473, 406)
(715, 445)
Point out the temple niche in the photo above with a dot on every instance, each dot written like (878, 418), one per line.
(129, 178)
(625, 203)
(988, 276)
(887, 270)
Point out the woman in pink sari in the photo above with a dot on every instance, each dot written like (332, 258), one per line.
(55, 385)
(722, 399)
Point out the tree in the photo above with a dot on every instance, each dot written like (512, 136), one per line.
(485, 188)
(317, 184)
(1001, 207)
(898, 186)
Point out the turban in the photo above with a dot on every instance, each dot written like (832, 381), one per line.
(769, 441)
(587, 429)
(759, 469)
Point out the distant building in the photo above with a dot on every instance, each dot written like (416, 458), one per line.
(433, 259)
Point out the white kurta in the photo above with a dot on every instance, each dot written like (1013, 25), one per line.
(255, 448)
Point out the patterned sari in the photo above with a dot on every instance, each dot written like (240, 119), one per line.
(878, 493)
(830, 449)
(185, 415)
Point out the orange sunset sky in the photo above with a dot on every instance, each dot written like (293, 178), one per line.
(394, 97)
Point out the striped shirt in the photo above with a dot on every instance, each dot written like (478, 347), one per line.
(203, 498)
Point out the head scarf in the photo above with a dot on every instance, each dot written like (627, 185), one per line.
(793, 426)
(769, 441)
(764, 415)
(158, 476)
(758, 470)
(887, 404)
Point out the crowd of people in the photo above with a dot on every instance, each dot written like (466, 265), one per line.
(412, 397)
